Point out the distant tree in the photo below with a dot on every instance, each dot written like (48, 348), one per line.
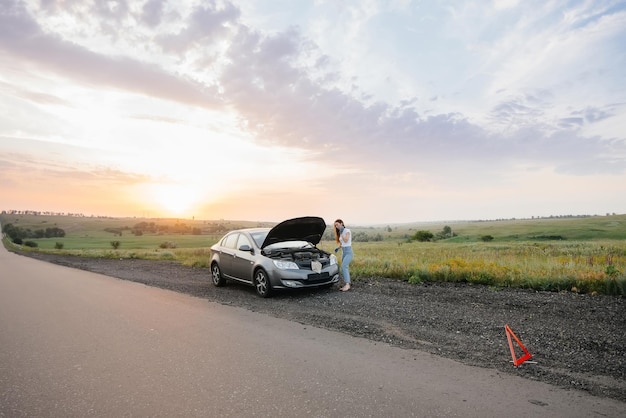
(423, 236)
(115, 244)
(116, 231)
(360, 236)
(145, 227)
(14, 232)
(54, 232)
(445, 233)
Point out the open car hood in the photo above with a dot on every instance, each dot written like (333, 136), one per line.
(307, 228)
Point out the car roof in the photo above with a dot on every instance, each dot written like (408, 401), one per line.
(249, 230)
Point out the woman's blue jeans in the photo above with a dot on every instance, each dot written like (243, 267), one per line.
(346, 258)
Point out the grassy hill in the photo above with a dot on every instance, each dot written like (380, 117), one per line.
(581, 229)
(612, 227)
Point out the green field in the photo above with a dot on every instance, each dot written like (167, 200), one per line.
(582, 254)
(593, 228)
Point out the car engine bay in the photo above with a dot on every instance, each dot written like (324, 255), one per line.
(302, 257)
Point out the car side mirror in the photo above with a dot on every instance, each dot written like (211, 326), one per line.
(247, 248)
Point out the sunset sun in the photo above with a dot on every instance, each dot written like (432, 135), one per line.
(174, 199)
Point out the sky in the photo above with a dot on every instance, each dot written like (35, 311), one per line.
(370, 111)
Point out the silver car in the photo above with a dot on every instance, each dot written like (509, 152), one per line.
(281, 257)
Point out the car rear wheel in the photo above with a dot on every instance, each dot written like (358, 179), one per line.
(216, 273)
(262, 283)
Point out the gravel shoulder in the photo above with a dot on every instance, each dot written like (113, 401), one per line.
(577, 341)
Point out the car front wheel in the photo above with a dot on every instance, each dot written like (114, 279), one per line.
(216, 273)
(262, 284)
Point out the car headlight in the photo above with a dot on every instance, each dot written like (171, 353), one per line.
(284, 265)
(333, 259)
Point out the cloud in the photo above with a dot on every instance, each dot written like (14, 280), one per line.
(206, 23)
(33, 96)
(285, 106)
(21, 37)
(594, 114)
(152, 12)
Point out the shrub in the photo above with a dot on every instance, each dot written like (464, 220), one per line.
(486, 238)
(612, 271)
(17, 232)
(445, 233)
(115, 244)
(167, 244)
(31, 244)
(58, 246)
(419, 276)
(365, 237)
(423, 236)
(360, 237)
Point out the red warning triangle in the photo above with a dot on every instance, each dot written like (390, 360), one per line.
(526, 356)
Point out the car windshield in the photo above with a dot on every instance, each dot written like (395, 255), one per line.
(289, 244)
(259, 237)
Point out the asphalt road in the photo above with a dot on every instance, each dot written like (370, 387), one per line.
(78, 344)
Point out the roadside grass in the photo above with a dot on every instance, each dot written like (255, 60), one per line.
(127, 241)
(584, 267)
(585, 255)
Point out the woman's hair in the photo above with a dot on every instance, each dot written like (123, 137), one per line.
(337, 229)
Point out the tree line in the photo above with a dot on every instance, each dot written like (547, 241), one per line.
(18, 234)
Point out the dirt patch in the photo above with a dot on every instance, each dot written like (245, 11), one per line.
(577, 341)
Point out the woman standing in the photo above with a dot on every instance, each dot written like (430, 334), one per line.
(343, 237)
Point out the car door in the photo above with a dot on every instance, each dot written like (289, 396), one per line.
(227, 253)
(243, 260)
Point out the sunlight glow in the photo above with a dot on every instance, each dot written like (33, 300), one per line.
(174, 199)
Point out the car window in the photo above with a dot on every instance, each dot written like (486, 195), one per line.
(243, 240)
(230, 241)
